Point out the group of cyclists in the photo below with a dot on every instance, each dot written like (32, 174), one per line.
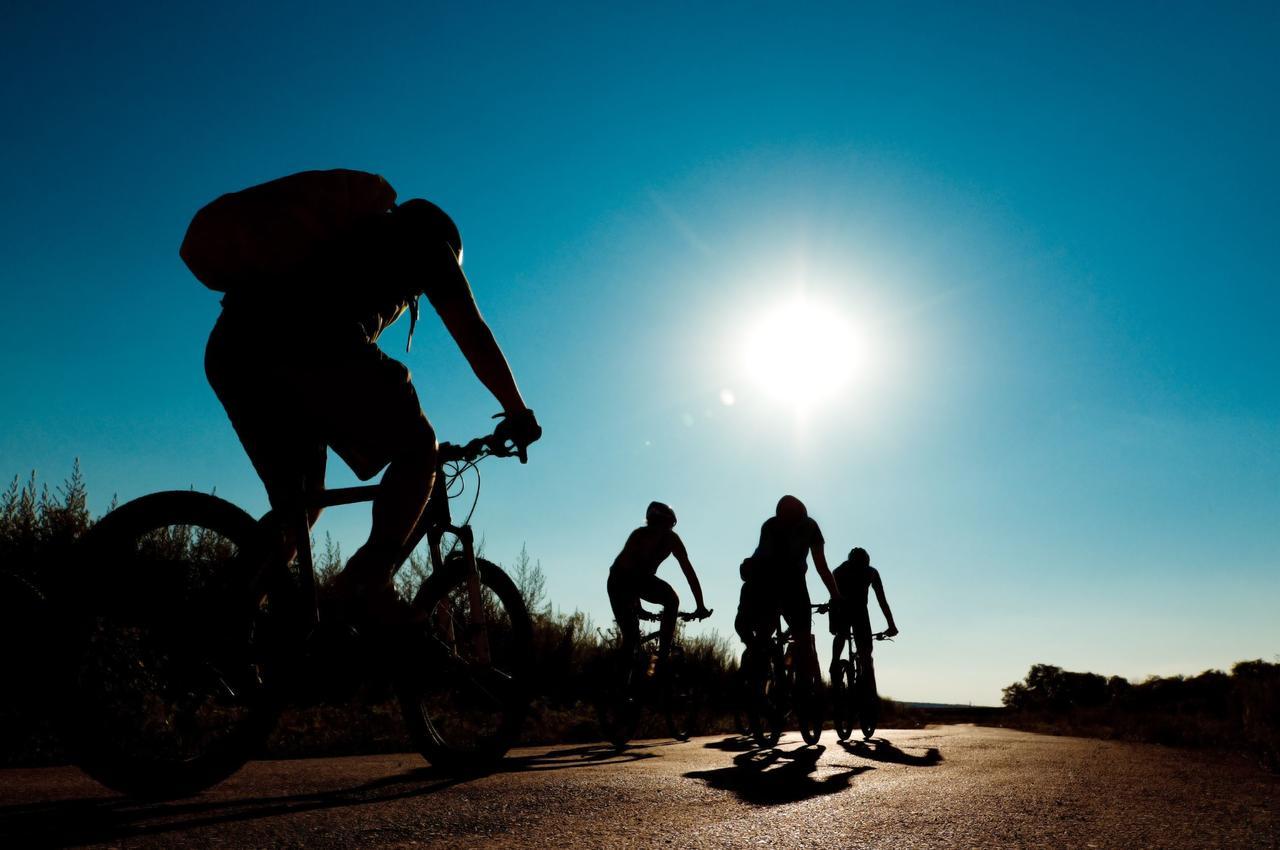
(773, 583)
(314, 267)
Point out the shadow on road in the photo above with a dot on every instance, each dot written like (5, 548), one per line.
(772, 777)
(590, 754)
(65, 823)
(878, 749)
(733, 744)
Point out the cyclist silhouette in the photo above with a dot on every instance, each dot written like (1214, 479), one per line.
(773, 577)
(633, 577)
(294, 359)
(855, 577)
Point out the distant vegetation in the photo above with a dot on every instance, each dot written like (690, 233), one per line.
(1237, 710)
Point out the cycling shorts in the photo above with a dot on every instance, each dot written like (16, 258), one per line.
(289, 400)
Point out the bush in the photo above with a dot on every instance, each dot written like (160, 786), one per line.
(1240, 710)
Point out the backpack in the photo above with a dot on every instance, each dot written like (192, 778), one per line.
(271, 230)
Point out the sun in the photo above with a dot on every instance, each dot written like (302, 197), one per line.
(802, 353)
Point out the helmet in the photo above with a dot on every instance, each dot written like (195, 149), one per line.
(791, 509)
(859, 557)
(660, 514)
(424, 219)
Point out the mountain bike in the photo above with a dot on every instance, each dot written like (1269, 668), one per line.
(642, 678)
(778, 678)
(854, 698)
(196, 626)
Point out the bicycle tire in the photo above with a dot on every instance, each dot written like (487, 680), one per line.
(765, 701)
(808, 707)
(177, 599)
(842, 690)
(683, 698)
(462, 713)
(868, 701)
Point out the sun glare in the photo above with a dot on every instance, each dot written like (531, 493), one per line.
(802, 353)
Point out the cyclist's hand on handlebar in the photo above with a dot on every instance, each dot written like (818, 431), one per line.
(519, 429)
(891, 631)
(702, 613)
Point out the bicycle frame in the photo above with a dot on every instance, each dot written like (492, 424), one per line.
(436, 521)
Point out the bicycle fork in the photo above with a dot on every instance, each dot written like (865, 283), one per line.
(477, 624)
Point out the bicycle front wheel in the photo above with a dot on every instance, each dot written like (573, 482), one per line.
(842, 699)
(766, 700)
(808, 701)
(167, 694)
(868, 700)
(465, 700)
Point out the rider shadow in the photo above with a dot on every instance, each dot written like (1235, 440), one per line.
(878, 749)
(774, 777)
(733, 744)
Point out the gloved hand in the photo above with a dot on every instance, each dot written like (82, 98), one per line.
(520, 428)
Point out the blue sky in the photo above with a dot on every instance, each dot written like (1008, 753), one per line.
(1053, 230)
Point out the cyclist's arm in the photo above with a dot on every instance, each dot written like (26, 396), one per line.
(682, 556)
(824, 572)
(453, 300)
(878, 586)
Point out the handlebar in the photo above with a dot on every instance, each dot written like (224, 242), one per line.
(489, 446)
(685, 616)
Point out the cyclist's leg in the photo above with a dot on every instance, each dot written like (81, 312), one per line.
(862, 642)
(382, 425)
(658, 592)
(623, 599)
(838, 626)
(258, 387)
(794, 601)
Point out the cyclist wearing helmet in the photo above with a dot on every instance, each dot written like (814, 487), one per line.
(294, 357)
(854, 578)
(633, 577)
(774, 576)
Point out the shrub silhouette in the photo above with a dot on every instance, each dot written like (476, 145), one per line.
(1237, 710)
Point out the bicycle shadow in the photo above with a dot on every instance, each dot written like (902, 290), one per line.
(879, 749)
(773, 777)
(91, 820)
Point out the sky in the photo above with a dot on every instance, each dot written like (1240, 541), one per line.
(1047, 236)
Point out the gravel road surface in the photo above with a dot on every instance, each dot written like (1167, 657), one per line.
(954, 786)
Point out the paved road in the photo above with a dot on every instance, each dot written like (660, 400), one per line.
(954, 786)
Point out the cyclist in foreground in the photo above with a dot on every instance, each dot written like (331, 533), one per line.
(633, 577)
(331, 262)
(855, 577)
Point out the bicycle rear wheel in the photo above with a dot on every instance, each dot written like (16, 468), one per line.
(463, 710)
(166, 695)
(618, 704)
(842, 699)
(684, 697)
(766, 700)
